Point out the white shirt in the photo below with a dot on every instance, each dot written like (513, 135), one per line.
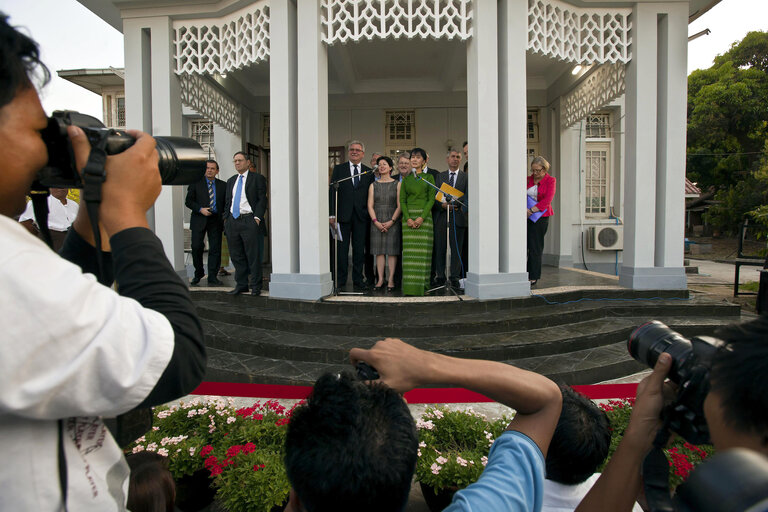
(70, 348)
(565, 498)
(60, 216)
(245, 206)
(533, 192)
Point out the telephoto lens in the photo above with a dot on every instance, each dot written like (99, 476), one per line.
(650, 340)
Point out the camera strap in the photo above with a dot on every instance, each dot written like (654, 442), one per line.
(40, 207)
(94, 176)
(656, 474)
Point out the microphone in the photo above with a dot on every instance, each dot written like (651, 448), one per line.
(415, 175)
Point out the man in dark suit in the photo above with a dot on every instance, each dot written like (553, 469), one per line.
(433, 278)
(206, 200)
(244, 209)
(458, 180)
(353, 217)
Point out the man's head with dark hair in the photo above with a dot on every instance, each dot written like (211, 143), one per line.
(151, 487)
(351, 447)
(22, 118)
(19, 58)
(580, 442)
(736, 405)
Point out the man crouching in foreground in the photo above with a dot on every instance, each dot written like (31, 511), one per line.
(353, 445)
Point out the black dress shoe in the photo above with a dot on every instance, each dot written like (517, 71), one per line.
(237, 290)
(195, 280)
(215, 281)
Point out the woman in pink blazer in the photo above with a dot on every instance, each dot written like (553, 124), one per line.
(541, 188)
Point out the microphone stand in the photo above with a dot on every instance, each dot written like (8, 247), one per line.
(335, 185)
(451, 200)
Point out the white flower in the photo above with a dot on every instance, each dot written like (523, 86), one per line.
(192, 412)
(163, 452)
(138, 448)
(164, 441)
(461, 461)
(438, 413)
(441, 460)
(155, 428)
(152, 447)
(163, 414)
(435, 469)
(484, 460)
(422, 444)
(231, 419)
(488, 435)
(142, 439)
(418, 452)
(425, 424)
(192, 450)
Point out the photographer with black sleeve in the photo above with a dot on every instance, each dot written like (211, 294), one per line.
(74, 350)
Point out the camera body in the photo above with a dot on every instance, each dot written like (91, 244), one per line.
(181, 160)
(691, 363)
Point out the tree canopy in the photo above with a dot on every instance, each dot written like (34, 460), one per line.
(728, 114)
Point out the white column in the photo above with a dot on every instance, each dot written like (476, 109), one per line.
(314, 279)
(655, 153)
(153, 103)
(513, 34)
(565, 145)
(483, 280)
(284, 186)
(670, 157)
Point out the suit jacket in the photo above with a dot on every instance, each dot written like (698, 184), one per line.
(352, 201)
(461, 184)
(197, 197)
(436, 208)
(547, 186)
(255, 191)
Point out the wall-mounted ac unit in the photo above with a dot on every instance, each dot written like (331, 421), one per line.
(606, 238)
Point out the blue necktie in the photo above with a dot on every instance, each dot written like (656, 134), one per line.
(212, 196)
(238, 192)
(356, 178)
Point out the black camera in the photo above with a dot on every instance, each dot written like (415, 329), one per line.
(691, 362)
(181, 160)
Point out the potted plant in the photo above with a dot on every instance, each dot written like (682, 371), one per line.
(215, 450)
(453, 450)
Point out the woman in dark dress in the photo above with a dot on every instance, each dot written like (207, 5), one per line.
(384, 209)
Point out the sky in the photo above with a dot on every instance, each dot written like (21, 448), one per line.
(71, 37)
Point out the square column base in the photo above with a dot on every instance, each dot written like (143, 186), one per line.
(497, 286)
(653, 278)
(300, 286)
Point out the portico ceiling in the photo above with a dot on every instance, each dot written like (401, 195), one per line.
(400, 66)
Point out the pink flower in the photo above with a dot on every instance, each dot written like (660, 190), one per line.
(441, 460)
(484, 460)
(435, 469)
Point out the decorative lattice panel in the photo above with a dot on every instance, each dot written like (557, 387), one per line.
(579, 35)
(199, 94)
(356, 20)
(224, 44)
(604, 85)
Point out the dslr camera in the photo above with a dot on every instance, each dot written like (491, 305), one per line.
(181, 160)
(691, 362)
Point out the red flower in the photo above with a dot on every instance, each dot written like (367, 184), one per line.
(217, 470)
(249, 448)
(282, 421)
(234, 450)
(257, 467)
(258, 416)
(206, 450)
(210, 461)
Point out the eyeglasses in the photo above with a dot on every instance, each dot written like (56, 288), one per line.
(537, 169)
(355, 150)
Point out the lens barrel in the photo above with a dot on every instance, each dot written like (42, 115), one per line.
(182, 160)
(650, 340)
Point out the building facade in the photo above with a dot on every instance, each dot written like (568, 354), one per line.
(598, 88)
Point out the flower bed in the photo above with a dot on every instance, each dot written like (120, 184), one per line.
(454, 446)
(682, 455)
(241, 450)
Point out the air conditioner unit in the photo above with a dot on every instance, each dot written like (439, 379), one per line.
(606, 238)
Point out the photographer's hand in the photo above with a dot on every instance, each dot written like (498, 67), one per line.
(132, 185)
(619, 485)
